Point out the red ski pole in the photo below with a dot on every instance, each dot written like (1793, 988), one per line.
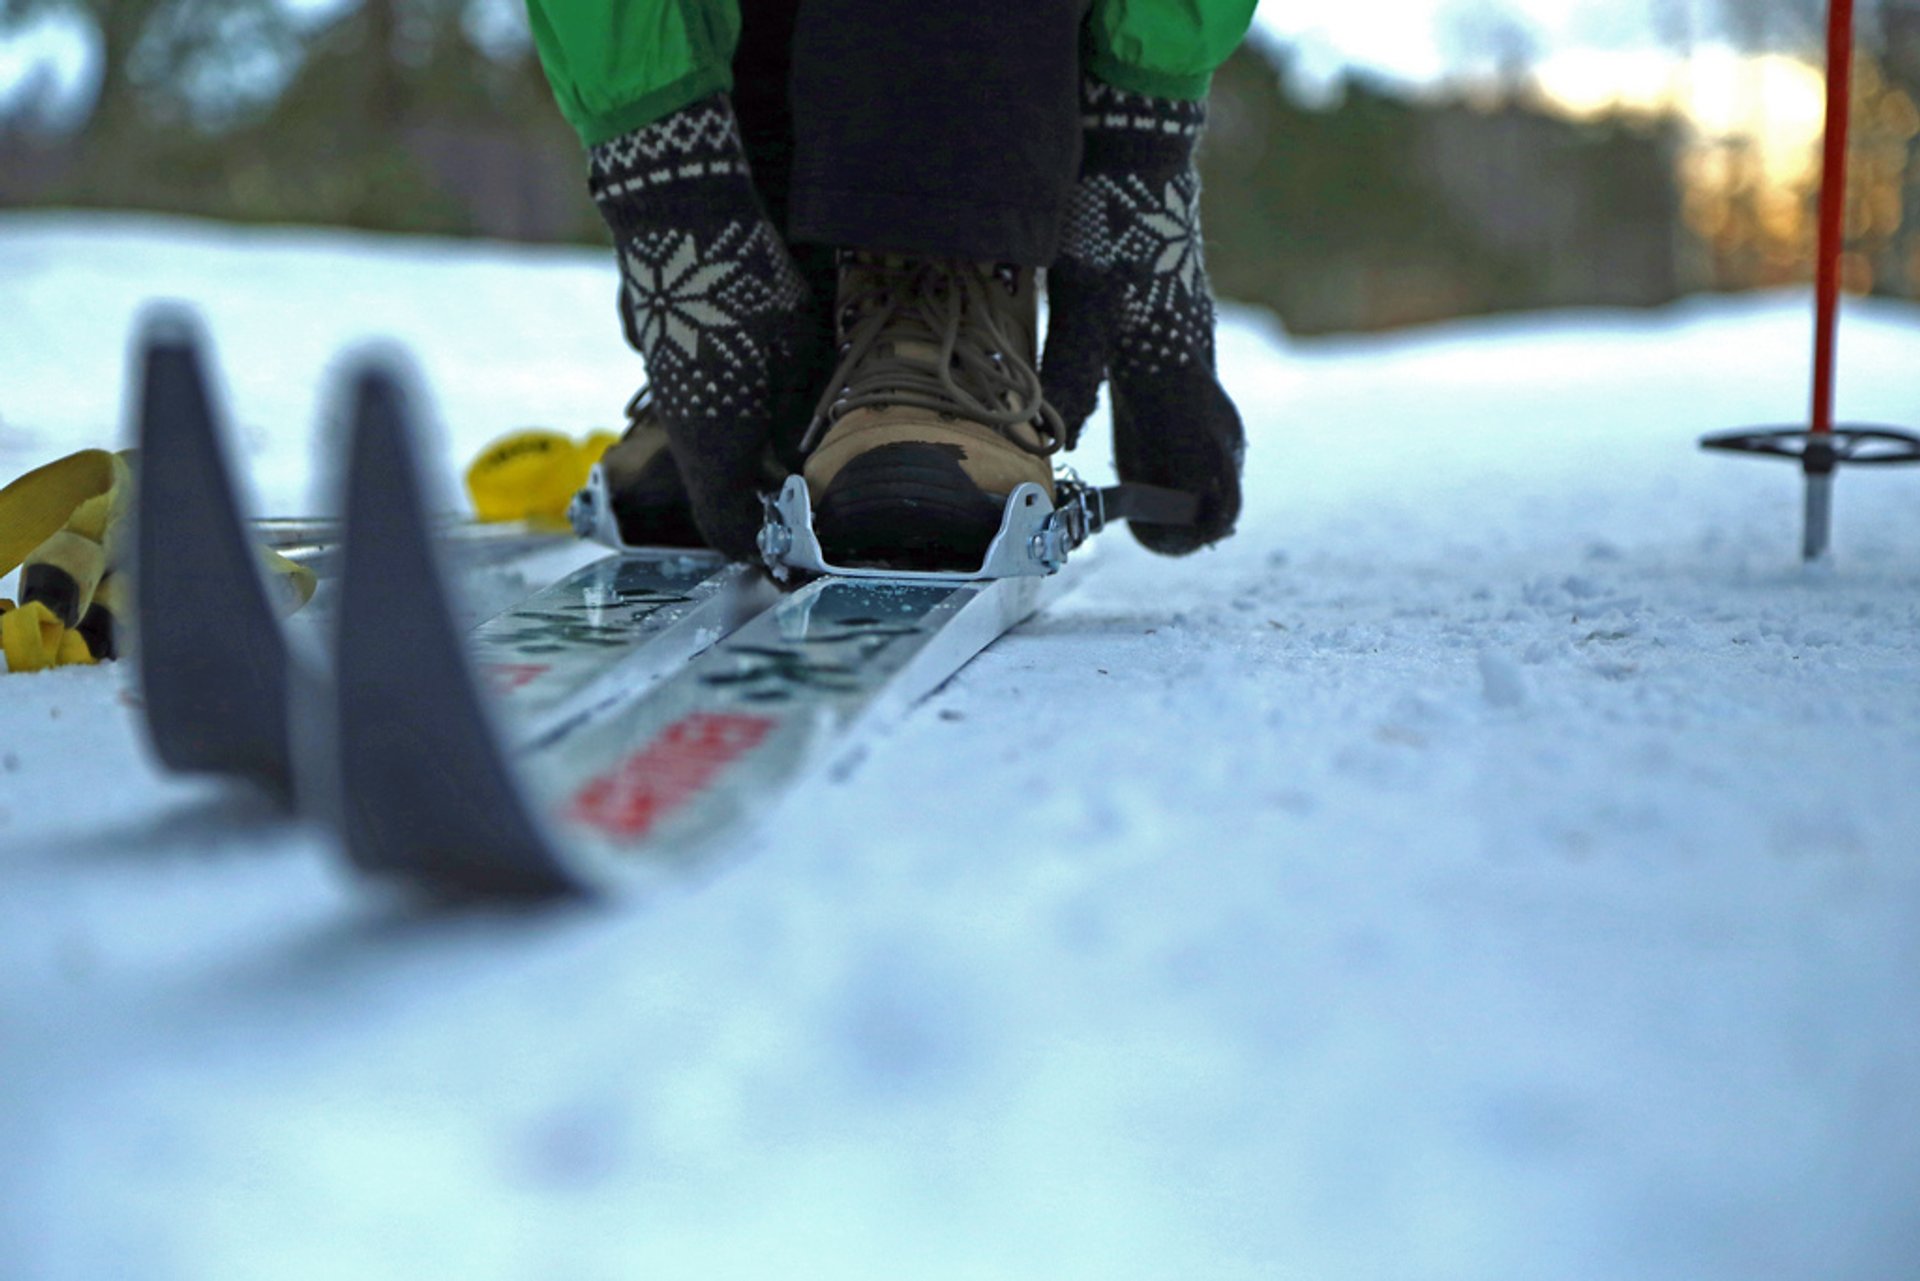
(1821, 446)
(1820, 459)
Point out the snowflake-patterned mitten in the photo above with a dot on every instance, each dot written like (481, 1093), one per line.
(1129, 301)
(713, 303)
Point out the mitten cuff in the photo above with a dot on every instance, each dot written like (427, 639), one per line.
(689, 167)
(1135, 134)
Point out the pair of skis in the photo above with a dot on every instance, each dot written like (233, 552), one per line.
(610, 731)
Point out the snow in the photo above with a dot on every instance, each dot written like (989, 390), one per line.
(1495, 862)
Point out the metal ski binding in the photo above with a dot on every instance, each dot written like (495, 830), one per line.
(591, 512)
(1035, 536)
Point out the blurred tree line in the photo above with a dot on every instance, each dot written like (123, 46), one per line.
(1364, 208)
(385, 114)
(1380, 209)
(1757, 231)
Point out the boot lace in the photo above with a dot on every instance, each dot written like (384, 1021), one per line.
(640, 407)
(944, 306)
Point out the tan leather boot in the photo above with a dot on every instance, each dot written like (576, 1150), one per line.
(934, 415)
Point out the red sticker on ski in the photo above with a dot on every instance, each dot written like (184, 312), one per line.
(507, 677)
(667, 773)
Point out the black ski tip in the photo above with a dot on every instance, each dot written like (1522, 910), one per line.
(427, 794)
(210, 657)
(169, 323)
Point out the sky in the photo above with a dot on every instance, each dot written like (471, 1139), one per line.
(1587, 55)
(1421, 41)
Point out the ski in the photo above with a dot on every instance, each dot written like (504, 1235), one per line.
(322, 555)
(596, 636)
(314, 541)
(434, 796)
(217, 676)
(226, 693)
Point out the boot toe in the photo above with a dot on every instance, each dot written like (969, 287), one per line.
(907, 505)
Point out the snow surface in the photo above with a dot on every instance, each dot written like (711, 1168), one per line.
(1498, 861)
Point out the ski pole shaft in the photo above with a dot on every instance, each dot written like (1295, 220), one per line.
(1833, 207)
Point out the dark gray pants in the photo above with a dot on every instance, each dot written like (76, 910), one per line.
(948, 129)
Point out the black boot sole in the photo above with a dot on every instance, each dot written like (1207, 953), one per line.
(907, 506)
(652, 509)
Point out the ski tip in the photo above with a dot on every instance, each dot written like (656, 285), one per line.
(383, 494)
(428, 795)
(209, 655)
(380, 434)
(171, 394)
(169, 323)
(380, 409)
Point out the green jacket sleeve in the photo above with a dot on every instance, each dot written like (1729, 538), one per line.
(617, 65)
(1164, 48)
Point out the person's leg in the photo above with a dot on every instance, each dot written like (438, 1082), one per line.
(763, 104)
(947, 130)
(935, 145)
(762, 98)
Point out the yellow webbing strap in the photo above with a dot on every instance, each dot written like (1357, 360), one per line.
(37, 506)
(64, 523)
(293, 584)
(532, 474)
(33, 639)
(59, 520)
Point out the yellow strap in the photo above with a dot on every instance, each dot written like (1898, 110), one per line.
(293, 583)
(532, 474)
(72, 513)
(33, 640)
(35, 507)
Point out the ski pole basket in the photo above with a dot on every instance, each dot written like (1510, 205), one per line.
(1822, 452)
(1822, 446)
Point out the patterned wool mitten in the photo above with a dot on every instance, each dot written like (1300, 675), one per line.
(713, 303)
(1129, 301)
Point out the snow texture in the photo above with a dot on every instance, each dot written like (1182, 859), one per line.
(1498, 861)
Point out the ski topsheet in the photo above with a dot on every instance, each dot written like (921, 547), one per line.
(605, 630)
(226, 693)
(435, 797)
(633, 796)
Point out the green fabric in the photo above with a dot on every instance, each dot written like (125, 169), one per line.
(1163, 48)
(618, 65)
